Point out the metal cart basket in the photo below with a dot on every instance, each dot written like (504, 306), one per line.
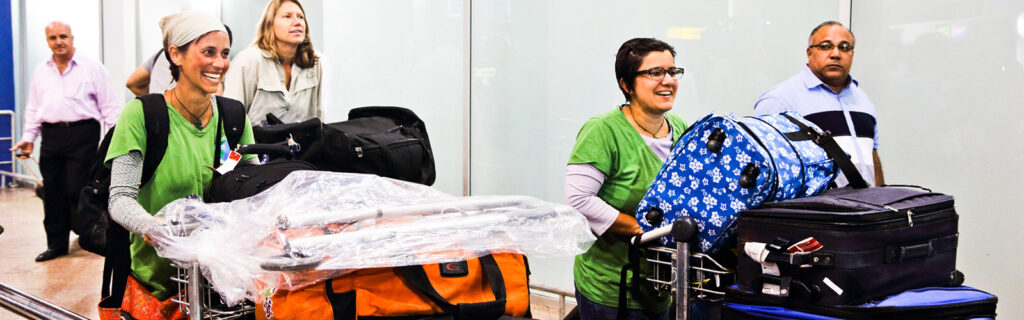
(199, 301)
(702, 276)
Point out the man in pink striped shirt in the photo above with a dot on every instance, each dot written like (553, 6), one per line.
(69, 101)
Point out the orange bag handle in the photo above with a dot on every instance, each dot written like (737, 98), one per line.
(417, 277)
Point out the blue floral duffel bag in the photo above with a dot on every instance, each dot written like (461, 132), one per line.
(724, 164)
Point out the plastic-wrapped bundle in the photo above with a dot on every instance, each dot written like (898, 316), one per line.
(316, 225)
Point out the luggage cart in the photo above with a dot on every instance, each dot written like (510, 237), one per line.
(199, 301)
(701, 270)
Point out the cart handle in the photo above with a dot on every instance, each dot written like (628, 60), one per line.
(682, 229)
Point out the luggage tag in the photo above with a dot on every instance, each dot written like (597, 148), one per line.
(804, 247)
(230, 163)
(293, 146)
(759, 252)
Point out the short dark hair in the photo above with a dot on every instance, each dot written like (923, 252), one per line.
(631, 56)
(231, 38)
(829, 23)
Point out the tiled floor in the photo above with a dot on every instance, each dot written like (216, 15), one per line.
(73, 281)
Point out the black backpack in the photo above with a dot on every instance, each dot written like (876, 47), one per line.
(98, 232)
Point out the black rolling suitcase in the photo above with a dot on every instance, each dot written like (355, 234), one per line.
(847, 246)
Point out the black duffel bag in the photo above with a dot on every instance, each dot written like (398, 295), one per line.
(386, 141)
(307, 134)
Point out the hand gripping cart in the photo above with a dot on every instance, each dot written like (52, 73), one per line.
(701, 278)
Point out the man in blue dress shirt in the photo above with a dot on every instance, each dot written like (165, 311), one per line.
(825, 93)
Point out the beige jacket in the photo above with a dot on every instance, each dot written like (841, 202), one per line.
(258, 82)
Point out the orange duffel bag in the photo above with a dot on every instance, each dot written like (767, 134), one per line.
(488, 287)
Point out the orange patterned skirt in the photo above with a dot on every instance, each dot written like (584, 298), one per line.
(139, 304)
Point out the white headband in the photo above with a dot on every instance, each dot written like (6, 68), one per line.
(182, 28)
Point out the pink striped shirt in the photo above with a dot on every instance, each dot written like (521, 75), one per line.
(82, 92)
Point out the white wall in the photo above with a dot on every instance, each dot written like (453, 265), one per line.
(82, 16)
(947, 78)
(407, 53)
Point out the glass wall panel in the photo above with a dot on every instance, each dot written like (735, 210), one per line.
(80, 15)
(402, 53)
(149, 34)
(242, 16)
(542, 68)
(946, 78)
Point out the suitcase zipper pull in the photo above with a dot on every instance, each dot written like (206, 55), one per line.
(359, 152)
(910, 214)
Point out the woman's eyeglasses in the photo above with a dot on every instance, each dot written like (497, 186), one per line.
(658, 73)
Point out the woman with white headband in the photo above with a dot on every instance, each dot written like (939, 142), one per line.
(197, 46)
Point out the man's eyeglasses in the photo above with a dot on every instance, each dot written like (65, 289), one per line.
(827, 46)
(658, 73)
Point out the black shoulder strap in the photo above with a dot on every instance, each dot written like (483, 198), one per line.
(117, 264)
(158, 125)
(233, 114)
(825, 141)
(417, 277)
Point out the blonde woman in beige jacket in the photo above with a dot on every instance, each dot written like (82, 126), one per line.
(280, 73)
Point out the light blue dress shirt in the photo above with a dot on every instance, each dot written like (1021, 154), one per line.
(849, 115)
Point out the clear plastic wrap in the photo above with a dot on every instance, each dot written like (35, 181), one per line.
(317, 225)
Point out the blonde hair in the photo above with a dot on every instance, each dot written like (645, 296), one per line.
(267, 40)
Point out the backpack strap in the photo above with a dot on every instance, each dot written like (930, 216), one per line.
(158, 123)
(117, 265)
(232, 118)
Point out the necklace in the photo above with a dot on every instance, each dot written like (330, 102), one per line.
(196, 120)
(662, 124)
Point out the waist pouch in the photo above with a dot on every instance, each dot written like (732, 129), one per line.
(248, 180)
(488, 287)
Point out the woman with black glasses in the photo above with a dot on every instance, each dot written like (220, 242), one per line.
(616, 157)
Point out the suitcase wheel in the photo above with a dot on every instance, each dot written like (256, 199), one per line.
(748, 178)
(654, 216)
(715, 140)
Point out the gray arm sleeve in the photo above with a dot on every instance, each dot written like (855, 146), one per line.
(125, 179)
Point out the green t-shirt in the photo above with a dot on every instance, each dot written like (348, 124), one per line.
(609, 143)
(181, 173)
